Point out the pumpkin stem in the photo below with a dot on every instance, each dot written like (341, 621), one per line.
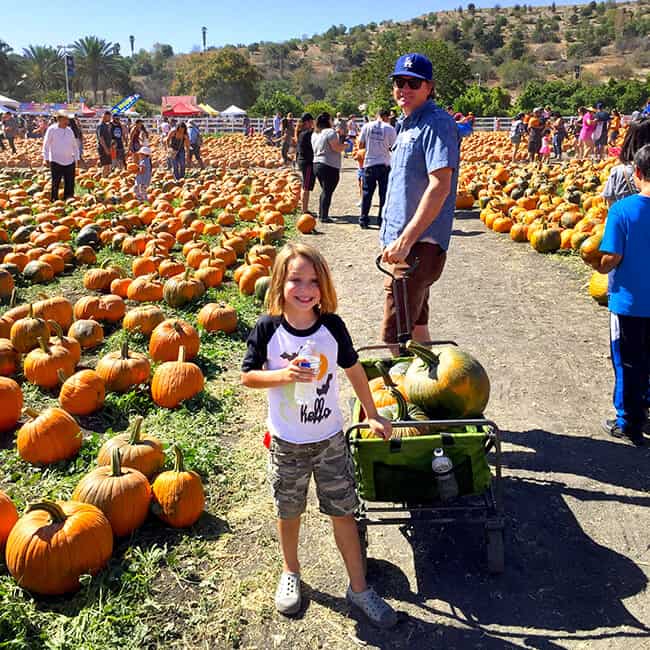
(181, 354)
(105, 263)
(383, 371)
(187, 272)
(179, 462)
(52, 508)
(61, 375)
(428, 356)
(124, 349)
(58, 331)
(14, 297)
(402, 406)
(31, 311)
(135, 430)
(31, 413)
(43, 343)
(116, 462)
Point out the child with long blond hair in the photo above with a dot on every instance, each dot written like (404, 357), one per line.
(307, 438)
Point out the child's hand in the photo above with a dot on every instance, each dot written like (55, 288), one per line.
(380, 426)
(295, 374)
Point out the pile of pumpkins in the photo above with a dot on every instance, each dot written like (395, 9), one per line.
(54, 543)
(553, 208)
(234, 151)
(443, 383)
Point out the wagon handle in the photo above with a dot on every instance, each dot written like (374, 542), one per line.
(385, 271)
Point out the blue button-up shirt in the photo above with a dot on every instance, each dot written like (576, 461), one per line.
(428, 140)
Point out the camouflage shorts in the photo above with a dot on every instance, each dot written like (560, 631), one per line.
(291, 467)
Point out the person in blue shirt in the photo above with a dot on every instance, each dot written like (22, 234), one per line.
(625, 249)
(196, 140)
(421, 195)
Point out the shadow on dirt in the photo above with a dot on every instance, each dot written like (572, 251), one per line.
(467, 233)
(556, 578)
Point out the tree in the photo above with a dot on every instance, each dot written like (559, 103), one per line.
(95, 61)
(8, 66)
(516, 45)
(483, 101)
(219, 77)
(318, 107)
(277, 102)
(44, 68)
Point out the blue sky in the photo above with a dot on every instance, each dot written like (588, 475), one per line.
(179, 23)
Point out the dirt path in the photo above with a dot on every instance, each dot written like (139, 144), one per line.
(577, 549)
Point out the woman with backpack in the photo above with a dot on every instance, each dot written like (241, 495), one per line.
(178, 143)
(328, 145)
(517, 130)
(559, 134)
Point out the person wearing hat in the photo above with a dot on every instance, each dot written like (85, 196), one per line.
(60, 153)
(305, 157)
(143, 177)
(421, 195)
(119, 140)
(376, 139)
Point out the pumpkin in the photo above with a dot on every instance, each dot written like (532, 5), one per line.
(57, 309)
(546, 240)
(42, 365)
(99, 279)
(446, 383)
(210, 276)
(181, 289)
(88, 307)
(38, 272)
(464, 201)
(123, 369)
(83, 393)
(402, 411)
(9, 358)
(167, 338)
(178, 497)
(143, 319)
(8, 517)
(590, 249)
(11, 398)
(598, 286)
(67, 342)
(48, 437)
(142, 452)
(53, 544)
(306, 223)
(382, 387)
(26, 332)
(218, 317)
(145, 288)
(176, 381)
(7, 285)
(113, 308)
(88, 332)
(85, 255)
(123, 494)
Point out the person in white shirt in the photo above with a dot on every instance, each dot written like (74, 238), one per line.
(377, 138)
(60, 153)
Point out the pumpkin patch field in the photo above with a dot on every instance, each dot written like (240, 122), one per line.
(554, 208)
(122, 327)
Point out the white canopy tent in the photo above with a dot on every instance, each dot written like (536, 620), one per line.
(233, 111)
(9, 103)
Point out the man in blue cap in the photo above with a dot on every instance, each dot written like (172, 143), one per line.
(421, 196)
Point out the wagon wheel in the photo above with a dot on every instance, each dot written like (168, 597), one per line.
(362, 527)
(495, 550)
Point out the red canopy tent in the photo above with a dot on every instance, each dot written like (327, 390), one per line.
(180, 106)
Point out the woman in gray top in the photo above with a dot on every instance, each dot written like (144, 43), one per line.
(620, 182)
(327, 145)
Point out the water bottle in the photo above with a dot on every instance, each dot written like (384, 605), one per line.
(443, 470)
(306, 393)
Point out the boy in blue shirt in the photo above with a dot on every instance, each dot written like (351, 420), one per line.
(626, 254)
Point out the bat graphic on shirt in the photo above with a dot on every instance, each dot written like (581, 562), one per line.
(325, 388)
(289, 356)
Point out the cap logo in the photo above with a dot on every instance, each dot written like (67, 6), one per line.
(408, 62)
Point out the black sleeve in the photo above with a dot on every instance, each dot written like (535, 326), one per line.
(257, 342)
(347, 355)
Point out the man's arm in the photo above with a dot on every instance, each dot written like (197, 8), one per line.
(427, 212)
(608, 262)
(46, 147)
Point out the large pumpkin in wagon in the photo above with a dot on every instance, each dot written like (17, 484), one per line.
(446, 382)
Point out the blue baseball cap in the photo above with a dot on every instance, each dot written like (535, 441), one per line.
(413, 65)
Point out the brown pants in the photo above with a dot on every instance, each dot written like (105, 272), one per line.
(431, 261)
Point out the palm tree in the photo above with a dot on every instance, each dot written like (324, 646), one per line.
(95, 60)
(44, 67)
(7, 65)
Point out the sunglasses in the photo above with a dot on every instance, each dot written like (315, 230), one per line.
(412, 82)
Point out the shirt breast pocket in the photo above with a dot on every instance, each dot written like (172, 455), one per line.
(402, 154)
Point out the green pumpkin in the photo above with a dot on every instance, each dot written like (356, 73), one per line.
(403, 411)
(262, 288)
(446, 383)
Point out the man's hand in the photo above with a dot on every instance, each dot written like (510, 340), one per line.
(396, 252)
